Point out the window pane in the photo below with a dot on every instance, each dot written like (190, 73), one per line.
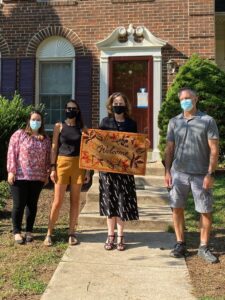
(65, 99)
(54, 107)
(55, 89)
(55, 102)
(47, 116)
(56, 77)
(46, 101)
(55, 116)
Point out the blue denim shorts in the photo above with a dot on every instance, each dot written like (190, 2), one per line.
(182, 184)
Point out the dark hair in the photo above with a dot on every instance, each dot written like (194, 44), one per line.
(41, 130)
(109, 104)
(187, 89)
(79, 119)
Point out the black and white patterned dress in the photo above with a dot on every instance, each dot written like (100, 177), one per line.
(117, 191)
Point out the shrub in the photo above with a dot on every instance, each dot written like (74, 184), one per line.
(13, 115)
(208, 80)
(4, 193)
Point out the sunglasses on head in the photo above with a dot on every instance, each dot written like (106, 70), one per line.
(72, 108)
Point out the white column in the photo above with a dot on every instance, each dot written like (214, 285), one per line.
(157, 100)
(104, 86)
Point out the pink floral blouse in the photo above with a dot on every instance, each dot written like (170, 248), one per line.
(28, 158)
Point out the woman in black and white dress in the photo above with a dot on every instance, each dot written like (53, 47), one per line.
(118, 200)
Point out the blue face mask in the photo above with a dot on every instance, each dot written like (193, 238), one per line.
(186, 104)
(35, 125)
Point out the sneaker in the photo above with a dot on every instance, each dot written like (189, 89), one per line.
(206, 254)
(179, 250)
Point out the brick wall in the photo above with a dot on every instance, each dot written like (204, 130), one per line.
(202, 28)
(187, 26)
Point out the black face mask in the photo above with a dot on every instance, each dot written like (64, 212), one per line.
(119, 109)
(71, 114)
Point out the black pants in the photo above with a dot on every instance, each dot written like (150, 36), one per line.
(25, 193)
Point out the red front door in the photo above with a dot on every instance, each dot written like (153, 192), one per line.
(131, 75)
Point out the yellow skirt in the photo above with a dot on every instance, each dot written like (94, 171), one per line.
(68, 171)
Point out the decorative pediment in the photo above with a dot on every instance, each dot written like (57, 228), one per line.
(132, 37)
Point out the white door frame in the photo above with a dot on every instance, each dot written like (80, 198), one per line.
(151, 46)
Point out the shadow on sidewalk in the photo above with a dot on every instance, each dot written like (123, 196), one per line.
(162, 240)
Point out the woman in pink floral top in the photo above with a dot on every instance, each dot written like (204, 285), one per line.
(28, 165)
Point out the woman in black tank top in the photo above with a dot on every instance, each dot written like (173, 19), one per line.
(65, 168)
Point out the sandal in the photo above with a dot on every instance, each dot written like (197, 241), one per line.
(109, 244)
(121, 245)
(48, 241)
(73, 239)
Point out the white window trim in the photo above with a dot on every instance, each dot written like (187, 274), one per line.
(50, 50)
(37, 85)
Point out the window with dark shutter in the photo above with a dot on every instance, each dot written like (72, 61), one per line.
(26, 79)
(8, 77)
(55, 82)
(55, 88)
(83, 87)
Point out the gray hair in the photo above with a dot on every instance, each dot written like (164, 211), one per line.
(191, 91)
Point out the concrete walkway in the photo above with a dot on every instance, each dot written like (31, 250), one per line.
(144, 271)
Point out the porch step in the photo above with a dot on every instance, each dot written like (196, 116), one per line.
(141, 182)
(155, 169)
(151, 217)
(151, 195)
(154, 176)
(154, 212)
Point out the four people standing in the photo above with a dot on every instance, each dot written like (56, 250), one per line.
(190, 159)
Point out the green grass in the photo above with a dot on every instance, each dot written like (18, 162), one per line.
(26, 276)
(212, 298)
(2, 279)
(192, 217)
(45, 259)
(24, 279)
(26, 270)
